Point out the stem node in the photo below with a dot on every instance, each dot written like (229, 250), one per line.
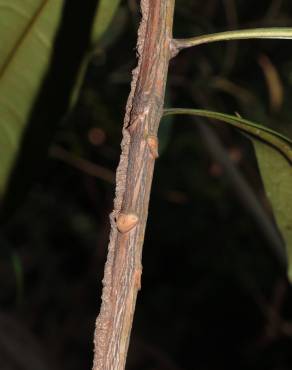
(126, 222)
(152, 142)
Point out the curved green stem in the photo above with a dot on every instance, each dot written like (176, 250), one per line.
(256, 33)
(277, 140)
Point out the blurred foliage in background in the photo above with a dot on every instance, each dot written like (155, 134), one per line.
(213, 295)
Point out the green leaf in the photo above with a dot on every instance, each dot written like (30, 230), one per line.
(28, 30)
(275, 166)
(276, 173)
(282, 143)
(105, 14)
(27, 33)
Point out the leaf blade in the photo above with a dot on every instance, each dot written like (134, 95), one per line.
(274, 165)
(105, 14)
(277, 178)
(27, 30)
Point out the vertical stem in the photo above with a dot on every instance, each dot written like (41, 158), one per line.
(134, 177)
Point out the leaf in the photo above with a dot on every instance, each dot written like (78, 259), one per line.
(277, 140)
(274, 155)
(27, 32)
(105, 14)
(276, 173)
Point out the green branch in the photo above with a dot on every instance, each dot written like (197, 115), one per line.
(282, 143)
(256, 33)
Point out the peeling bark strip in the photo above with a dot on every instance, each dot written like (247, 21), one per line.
(134, 177)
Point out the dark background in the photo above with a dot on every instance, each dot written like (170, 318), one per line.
(213, 293)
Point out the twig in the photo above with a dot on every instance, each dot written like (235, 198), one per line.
(256, 33)
(282, 143)
(134, 177)
(82, 164)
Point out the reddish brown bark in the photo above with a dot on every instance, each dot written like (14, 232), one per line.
(133, 184)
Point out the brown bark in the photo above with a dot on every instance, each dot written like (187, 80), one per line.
(133, 184)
